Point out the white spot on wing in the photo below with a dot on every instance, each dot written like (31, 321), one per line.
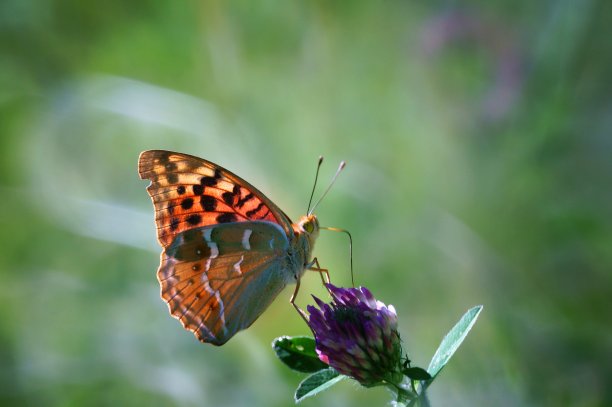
(207, 266)
(206, 284)
(237, 265)
(214, 249)
(245, 239)
(221, 311)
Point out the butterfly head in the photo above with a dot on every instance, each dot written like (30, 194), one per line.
(308, 225)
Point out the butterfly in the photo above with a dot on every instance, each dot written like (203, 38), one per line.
(228, 250)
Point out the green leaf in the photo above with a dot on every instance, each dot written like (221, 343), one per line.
(298, 353)
(316, 383)
(416, 373)
(452, 341)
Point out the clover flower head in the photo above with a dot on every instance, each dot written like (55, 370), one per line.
(357, 335)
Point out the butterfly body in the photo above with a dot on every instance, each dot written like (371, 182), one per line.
(228, 250)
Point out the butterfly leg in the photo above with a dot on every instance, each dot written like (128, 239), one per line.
(297, 308)
(321, 271)
(315, 266)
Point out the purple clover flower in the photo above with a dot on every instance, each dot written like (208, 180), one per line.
(357, 335)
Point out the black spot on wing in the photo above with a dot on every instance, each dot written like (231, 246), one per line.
(164, 157)
(254, 211)
(211, 181)
(208, 181)
(194, 219)
(226, 218)
(198, 189)
(181, 189)
(208, 203)
(244, 200)
(172, 178)
(228, 198)
(187, 203)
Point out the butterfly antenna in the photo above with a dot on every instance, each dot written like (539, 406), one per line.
(315, 183)
(350, 248)
(340, 168)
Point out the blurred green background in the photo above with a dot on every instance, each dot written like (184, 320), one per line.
(479, 147)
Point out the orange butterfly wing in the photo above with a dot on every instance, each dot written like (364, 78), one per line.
(222, 263)
(189, 192)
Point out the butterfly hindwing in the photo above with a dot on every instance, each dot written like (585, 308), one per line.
(189, 192)
(218, 279)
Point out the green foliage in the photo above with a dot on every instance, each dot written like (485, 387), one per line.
(451, 342)
(316, 383)
(298, 353)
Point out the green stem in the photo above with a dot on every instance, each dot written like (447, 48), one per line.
(419, 398)
(424, 400)
(403, 397)
(413, 387)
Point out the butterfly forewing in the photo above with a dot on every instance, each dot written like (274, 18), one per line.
(218, 279)
(189, 192)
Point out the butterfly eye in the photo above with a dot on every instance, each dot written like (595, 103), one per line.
(308, 227)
